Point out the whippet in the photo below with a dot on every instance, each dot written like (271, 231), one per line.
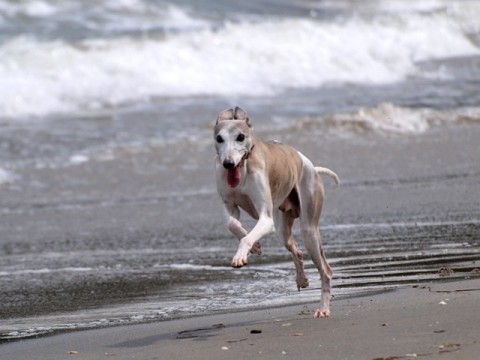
(274, 184)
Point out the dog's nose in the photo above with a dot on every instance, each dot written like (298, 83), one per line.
(228, 164)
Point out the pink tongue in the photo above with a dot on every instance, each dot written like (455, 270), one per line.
(233, 177)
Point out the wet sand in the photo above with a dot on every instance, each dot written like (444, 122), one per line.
(428, 321)
(430, 177)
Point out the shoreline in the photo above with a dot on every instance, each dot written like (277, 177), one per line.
(430, 178)
(425, 320)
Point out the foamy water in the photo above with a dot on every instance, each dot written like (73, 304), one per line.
(388, 118)
(192, 56)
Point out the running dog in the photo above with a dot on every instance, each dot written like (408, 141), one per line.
(275, 184)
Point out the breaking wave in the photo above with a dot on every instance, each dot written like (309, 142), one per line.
(245, 58)
(388, 118)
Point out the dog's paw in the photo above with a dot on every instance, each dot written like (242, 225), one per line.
(302, 283)
(323, 312)
(238, 262)
(240, 258)
(256, 249)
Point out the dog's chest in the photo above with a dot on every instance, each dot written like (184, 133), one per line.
(241, 200)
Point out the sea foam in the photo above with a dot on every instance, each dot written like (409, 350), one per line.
(238, 59)
(388, 118)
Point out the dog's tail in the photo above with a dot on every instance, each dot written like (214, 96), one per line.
(328, 172)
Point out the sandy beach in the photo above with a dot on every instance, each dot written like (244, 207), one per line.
(427, 320)
(414, 178)
(113, 242)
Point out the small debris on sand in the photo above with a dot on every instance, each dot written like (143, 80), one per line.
(445, 271)
(448, 347)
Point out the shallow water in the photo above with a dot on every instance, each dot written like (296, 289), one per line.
(48, 292)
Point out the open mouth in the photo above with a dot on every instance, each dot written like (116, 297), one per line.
(234, 175)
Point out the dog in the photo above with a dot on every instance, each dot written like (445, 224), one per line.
(275, 184)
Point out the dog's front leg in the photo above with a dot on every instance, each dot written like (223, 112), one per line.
(236, 228)
(259, 194)
(263, 227)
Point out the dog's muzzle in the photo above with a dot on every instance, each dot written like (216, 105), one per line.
(228, 164)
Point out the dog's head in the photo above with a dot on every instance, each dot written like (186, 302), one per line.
(232, 136)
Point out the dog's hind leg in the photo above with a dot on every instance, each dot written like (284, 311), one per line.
(318, 257)
(284, 231)
(311, 200)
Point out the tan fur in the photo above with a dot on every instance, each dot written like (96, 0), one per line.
(283, 167)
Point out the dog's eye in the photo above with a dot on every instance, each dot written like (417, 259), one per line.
(240, 137)
(219, 139)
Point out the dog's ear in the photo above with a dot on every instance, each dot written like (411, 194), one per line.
(241, 114)
(225, 115)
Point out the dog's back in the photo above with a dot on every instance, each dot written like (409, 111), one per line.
(283, 167)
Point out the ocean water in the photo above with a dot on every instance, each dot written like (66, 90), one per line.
(71, 67)
(85, 82)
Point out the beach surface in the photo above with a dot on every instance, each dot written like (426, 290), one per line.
(431, 179)
(113, 241)
(427, 320)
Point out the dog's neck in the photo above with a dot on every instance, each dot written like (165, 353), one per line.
(247, 155)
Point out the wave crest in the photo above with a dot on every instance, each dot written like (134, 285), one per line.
(254, 59)
(388, 118)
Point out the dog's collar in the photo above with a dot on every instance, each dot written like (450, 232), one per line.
(247, 155)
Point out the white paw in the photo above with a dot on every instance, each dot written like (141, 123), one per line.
(240, 258)
(239, 261)
(322, 313)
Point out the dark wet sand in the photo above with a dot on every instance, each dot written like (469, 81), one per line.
(427, 321)
(431, 177)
